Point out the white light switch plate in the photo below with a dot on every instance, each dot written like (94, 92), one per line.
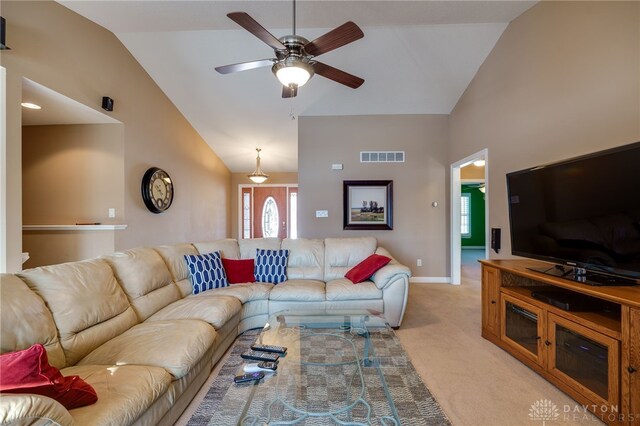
(337, 166)
(322, 213)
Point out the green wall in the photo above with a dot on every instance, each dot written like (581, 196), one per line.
(477, 237)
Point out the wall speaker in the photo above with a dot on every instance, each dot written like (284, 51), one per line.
(3, 34)
(495, 239)
(107, 103)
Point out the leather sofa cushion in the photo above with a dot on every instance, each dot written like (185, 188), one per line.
(145, 279)
(228, 248)
(18, 410)
(248, 247)
(217, 311)
(300, 290)
(344, 289)
(342, 254)
(125, 392)
(246, 292)
(26, 320)
(175, 345)
(306, 258)
(255, 307)
(173, 256)
(184, 287)
(88, 306)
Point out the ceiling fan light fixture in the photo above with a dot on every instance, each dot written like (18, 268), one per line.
(258, 176)
(293, 72)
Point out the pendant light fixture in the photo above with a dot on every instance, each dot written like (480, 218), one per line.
(258, 176)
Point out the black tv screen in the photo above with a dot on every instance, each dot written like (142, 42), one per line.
(582, 212)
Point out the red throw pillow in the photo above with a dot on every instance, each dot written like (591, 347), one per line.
(239, 271)
(366, 268)
(28, 371)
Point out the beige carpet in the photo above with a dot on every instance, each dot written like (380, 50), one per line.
(475, 382)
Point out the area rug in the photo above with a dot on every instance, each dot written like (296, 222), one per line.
(413, 403)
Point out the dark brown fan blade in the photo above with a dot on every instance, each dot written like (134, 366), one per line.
(338, 37)
(243, 66)
(337, 75)
(289, 92)
(248, 23)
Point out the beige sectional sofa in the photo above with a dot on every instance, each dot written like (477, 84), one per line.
(129, 325)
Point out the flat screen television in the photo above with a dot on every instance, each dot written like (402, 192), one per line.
(581, 214)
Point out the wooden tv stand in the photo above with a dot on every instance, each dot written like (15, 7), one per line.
(593, 356)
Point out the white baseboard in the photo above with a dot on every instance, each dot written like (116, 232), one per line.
(430, 280)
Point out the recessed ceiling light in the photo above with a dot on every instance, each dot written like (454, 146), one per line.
(30, 105)
(479, 163)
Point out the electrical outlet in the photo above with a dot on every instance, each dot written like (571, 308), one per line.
(322, 213)
(419, 262)
(112, 213)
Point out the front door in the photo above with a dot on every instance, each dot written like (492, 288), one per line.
(270, 212)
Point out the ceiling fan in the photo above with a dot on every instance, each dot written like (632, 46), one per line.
(479, 186)
(295, 62)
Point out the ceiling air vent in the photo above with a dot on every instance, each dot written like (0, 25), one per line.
(382, 156)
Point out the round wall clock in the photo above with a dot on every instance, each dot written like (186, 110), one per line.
(157, 190)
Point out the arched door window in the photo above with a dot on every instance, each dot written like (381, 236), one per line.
(270, 218)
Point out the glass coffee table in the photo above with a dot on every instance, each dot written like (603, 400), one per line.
(336, 371)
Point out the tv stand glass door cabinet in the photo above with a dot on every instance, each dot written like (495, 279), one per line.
(522, 328)
(593, 356)
(586, 359)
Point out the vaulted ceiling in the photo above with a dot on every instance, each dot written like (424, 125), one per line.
(417, 57)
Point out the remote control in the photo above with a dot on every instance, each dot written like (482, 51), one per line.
(281, 350)
(267, 367)
(260, 356)
(248, 377)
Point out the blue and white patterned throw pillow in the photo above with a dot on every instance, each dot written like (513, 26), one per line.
(206, 271)
(271, 265)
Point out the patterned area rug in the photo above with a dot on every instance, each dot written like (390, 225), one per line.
(224, 403)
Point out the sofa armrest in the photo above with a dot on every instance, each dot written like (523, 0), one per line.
(387, 274)
(32, 410)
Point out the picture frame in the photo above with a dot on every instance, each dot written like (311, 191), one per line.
(367, 204)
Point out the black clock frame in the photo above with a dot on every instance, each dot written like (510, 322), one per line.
(146, 192)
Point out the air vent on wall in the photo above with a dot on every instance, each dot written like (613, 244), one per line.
(382, 156)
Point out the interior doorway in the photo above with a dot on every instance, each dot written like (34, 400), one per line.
(3, 171)
(465, 191)
(268, 211)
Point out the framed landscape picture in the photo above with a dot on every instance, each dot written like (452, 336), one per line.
(368, 204)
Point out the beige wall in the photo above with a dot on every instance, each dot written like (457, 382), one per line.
(72, 173)
(61, 50)
(472, 172)
(52, 247)
(419, 230)
(242, 179)
(563, 80)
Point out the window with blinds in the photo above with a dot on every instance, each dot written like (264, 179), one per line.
(465, 215)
